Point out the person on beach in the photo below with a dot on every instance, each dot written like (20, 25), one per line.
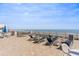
(5, 30)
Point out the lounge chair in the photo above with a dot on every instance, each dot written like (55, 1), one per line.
(74, 52)
(55, 40)
(68, 51)
(38, 40)
(66, 46)
(31, 38)
(69, 41)
(1, 35)
(49, 40)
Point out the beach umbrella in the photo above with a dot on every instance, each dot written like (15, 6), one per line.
(4, 29)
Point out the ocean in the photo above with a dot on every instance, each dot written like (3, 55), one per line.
(48, 30)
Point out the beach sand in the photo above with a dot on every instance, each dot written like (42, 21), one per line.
(19, 46)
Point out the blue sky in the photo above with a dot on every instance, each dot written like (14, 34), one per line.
(40, 16)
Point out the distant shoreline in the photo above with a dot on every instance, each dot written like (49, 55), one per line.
(50, 30)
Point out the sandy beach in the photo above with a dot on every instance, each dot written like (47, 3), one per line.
(39, 29)
(20, 46)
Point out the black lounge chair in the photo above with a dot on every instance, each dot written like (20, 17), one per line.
(39, 38)
(69, 42)
(65, 46)
(31, 38)
(49, 40)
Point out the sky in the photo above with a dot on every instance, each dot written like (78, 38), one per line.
(40, 15)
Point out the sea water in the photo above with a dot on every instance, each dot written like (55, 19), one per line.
(50, 30)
